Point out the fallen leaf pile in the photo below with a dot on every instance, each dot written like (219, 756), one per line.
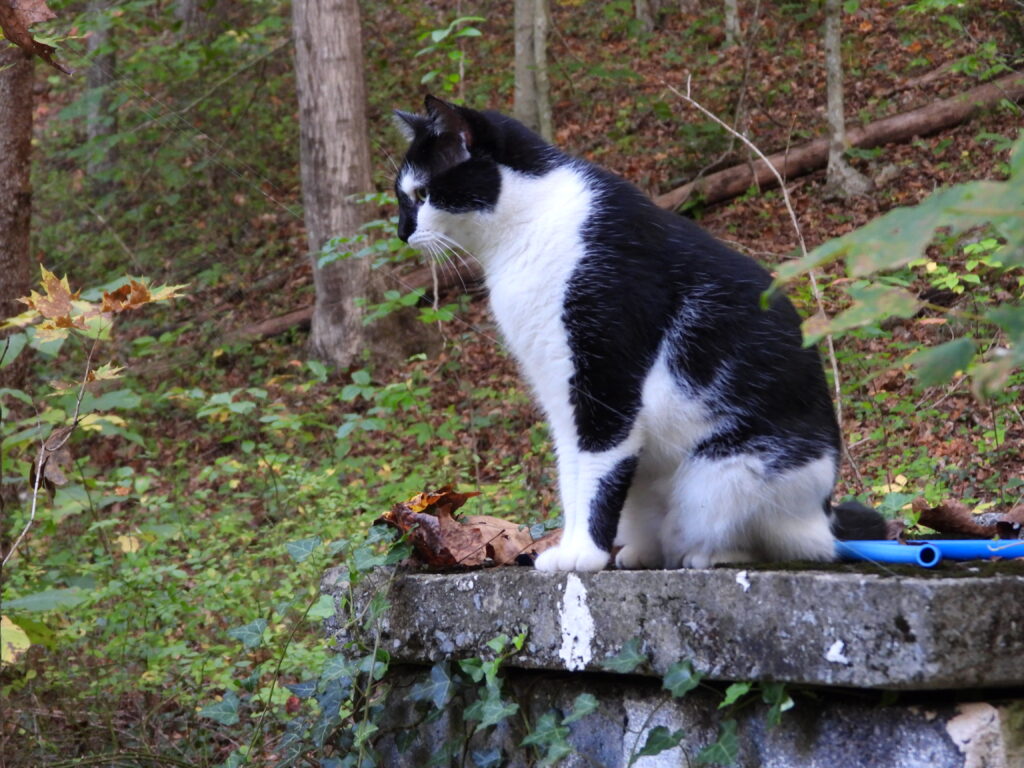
(442, 540)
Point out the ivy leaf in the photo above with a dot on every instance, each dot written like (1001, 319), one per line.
(734, 693)
(584, 704)
(937, 365)
(775, 695)
(681, 679)
(486, 758)
(224, 711)
(302, 548)
(302, 690)
(323, 608)
(659, 739)
(725, 750)
(250, 634)
(547, 731)
(627, 659)
(436, 689)
(490, 710)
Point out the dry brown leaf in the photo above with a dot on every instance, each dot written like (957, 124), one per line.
(440, 540)
(55, 458)
(16, 16)
(952, 517)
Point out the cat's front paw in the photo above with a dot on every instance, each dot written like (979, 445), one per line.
(569, 558)
(702, 559)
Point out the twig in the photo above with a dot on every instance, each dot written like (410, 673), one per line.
(45, 451)
(815, 290)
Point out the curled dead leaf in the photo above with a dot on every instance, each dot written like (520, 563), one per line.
(441, 540)
(952, 517)
(54, 458)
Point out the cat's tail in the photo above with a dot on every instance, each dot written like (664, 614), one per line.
(853, 521)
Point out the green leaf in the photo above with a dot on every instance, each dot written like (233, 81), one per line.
(323, 608)
(725, 750)
(251, 634)
(436, 689)
(627, 659)
(734, 693)
(659, 739)
(11, 347)
(302, 548)
(871, 303)
(364, 731)
(584, 704)
(775, 694)
(473, 667)
(545, 732)
(938, 365)
(1010, 319)
(47, 600)
(224, 711)
(490, 710)
(498, 644)
(680, 679)
(486, 758)
(302, 690)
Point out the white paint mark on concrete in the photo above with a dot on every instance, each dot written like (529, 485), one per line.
(977, 734)
(742, 580)
(577, 625)
(835, 653)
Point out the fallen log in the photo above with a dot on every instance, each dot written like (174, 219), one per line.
(810, 157)
(465, 277)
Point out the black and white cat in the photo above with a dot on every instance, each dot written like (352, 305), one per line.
(691, 425)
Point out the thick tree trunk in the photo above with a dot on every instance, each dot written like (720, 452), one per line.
(843, 179)
(16, 69)
(101, 121)
(335, 165)
(813, 156)
(532, 90)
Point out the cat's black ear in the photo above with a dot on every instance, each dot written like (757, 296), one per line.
(447, 118)
(409, 124)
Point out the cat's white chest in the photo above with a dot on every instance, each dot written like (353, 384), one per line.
(535, 246)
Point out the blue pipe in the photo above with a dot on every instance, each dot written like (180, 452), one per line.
(924, 555)
(929, 552)
(974, 549)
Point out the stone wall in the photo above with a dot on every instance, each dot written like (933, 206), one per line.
(950, 645)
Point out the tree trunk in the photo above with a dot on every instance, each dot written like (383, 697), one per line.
(810, 157)
(842, 178)
(732, 22)
(532, 98)
(101, 120)
(645, 11)
(16, 70)
(335, 165)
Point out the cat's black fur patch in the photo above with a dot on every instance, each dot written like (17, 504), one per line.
(607, 503)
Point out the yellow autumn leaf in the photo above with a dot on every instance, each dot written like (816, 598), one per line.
(13, 641)
(128, 543)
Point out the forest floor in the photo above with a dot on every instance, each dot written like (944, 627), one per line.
(243, 443)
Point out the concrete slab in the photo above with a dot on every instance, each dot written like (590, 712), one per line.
(886, 630)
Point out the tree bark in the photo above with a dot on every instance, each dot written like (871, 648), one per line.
(335, 165)
(101, 120)
(842, 178)
(532, 90)
(16, 69)
(810, 157)
(732, 22)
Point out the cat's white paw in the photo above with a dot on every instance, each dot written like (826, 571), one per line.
(572, 558)
(709, 559)
(631, 558)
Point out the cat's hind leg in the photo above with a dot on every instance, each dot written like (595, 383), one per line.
(640, 526)
(734, 509)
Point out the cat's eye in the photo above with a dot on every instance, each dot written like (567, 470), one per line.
(420, 193)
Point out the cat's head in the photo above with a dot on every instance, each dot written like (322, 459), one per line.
(450, 182)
